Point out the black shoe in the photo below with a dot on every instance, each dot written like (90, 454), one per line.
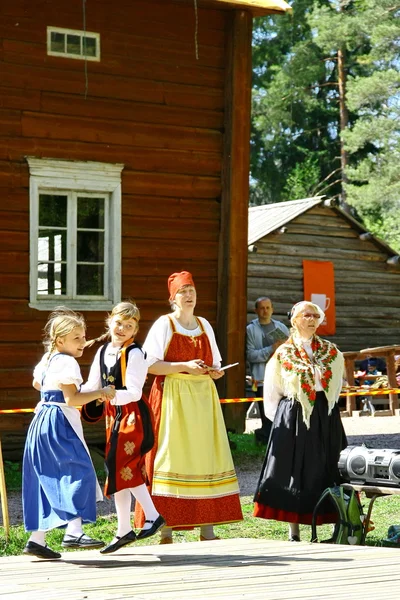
(35, 549)
(157, 524)
(294, 538)
(81, 541)
(128, 538)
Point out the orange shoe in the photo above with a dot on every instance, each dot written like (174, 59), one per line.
(166, 540)
(203, 539)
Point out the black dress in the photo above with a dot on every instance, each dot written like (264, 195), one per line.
(300, 463)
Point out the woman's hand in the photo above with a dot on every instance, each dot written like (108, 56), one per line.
(215, 373)
(108, 393)
(196, 367)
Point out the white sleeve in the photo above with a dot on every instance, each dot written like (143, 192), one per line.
(136, 372)
(65, 370)
(273, 391)
(157, 340)
(211, 336)
(94, 380)
(39, 369)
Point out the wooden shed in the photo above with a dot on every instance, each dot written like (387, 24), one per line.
(124, 156)
(366, 270)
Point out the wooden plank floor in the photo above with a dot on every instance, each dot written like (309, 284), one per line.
(234, 569)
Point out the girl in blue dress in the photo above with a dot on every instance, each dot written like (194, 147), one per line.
(59, 485)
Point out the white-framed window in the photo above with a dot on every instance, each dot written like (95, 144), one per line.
(75, 234)
(73, 43)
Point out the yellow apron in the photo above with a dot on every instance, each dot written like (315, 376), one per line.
(193, 459)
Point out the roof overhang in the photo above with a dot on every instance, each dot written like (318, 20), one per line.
(258, 8)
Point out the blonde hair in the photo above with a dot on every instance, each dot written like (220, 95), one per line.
(125, 310)
(60, 323)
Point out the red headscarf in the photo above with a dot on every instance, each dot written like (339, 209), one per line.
(178, 280)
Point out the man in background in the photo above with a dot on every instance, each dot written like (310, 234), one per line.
(263, 336)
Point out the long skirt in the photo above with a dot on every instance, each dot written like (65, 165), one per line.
(59, 481)
(300, 463)
(191, 472)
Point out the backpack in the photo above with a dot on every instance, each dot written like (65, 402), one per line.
(349, 528)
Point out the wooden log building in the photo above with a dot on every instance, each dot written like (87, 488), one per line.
(124, 156)
(366, 270)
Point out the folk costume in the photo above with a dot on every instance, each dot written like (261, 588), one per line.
(302, 384)
(190, 468)
(59, 481)
(129, 430)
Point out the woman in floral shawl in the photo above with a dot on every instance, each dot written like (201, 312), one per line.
(302, 384)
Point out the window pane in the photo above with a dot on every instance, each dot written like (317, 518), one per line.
(57, 42)
(89, 46)
(90, 213)
(52, 210)
(52, 245)
(52, 279)
(90, 280)
(90, 246)
(73, 44)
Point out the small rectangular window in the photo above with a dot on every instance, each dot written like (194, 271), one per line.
(71, 43)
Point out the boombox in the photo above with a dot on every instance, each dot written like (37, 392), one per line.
(362, 465)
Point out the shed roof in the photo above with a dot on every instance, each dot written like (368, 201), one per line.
(268, 217)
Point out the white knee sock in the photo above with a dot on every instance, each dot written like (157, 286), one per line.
(74, 527)
(207, 531)
(38, 537)
(294, 529)
(123, 504)
(141, 493)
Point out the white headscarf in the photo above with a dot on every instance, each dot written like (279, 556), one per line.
(298, 308)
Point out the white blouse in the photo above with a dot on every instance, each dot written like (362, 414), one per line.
(136, 373)
(61, 369)
(160, 335)
(273, 389)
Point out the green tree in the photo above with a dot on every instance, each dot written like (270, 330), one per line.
(374, 188)
(295, 109)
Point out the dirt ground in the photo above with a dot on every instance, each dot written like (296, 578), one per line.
(374, 432)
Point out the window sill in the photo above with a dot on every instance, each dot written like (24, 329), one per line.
(81, 305)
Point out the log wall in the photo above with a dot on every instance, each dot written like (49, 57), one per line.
(367, 289)
(151, 105)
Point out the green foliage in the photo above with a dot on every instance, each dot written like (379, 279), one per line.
(374, 179)
(295, 144)
(13, 475)
(303, 179)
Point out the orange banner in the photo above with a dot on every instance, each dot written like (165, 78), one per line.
(319, 288)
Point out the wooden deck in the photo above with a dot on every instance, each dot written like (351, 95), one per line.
(241, 568)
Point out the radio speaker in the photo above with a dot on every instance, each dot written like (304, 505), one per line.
(366, 466)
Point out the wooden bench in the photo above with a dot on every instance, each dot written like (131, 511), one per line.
(349, 367)
(387, 353)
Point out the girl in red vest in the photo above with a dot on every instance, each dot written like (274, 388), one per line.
(129, 434)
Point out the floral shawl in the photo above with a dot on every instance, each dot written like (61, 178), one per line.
(296, 372)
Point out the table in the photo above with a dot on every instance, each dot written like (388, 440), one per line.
(372, 492)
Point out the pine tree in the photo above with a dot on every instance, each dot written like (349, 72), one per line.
(374, 190)
(295, 110)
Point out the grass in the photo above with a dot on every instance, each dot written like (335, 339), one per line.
(386, 512)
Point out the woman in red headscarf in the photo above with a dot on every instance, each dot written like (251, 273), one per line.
(190, 469)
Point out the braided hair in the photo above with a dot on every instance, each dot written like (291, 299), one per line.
(59, 324)
(126, 309)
